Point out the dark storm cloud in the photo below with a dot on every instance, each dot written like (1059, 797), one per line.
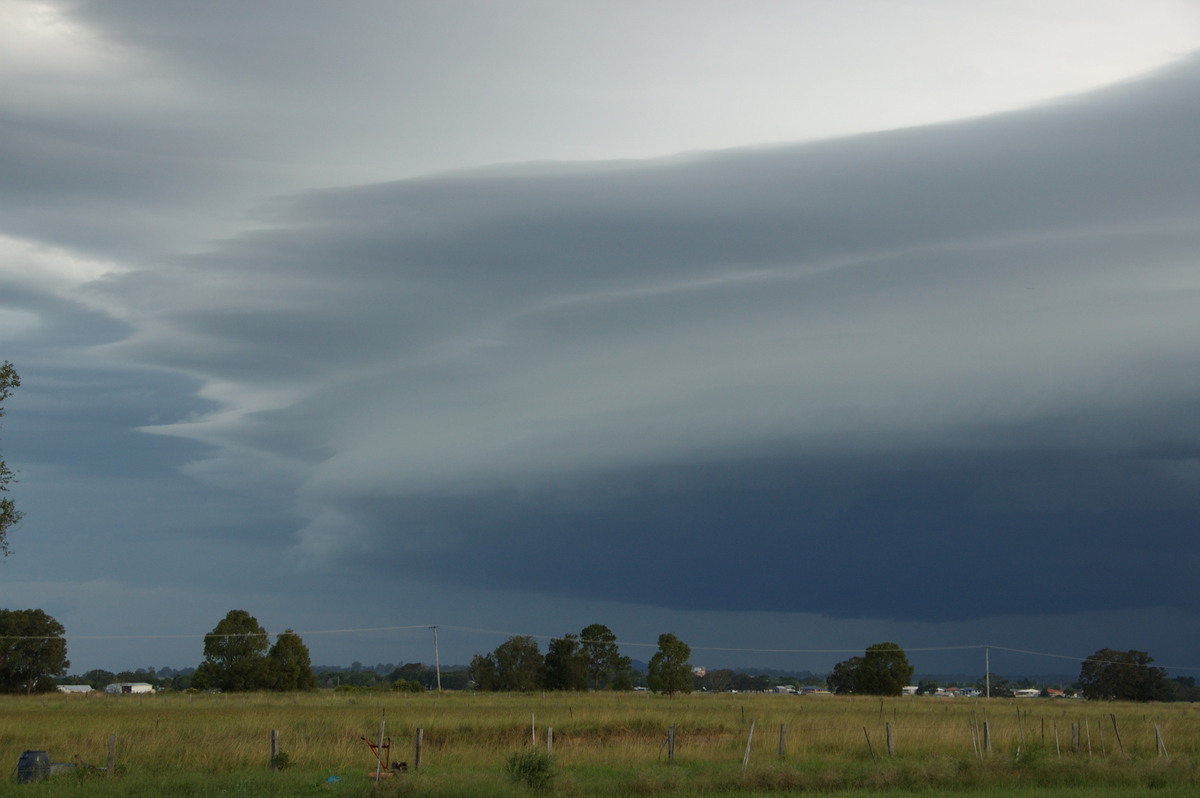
(811, 378)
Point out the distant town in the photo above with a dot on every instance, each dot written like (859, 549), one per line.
(357, 677)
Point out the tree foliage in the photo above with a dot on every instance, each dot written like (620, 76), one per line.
(566, 664)
(1123, 676)
(98, 679)
(669, 670)
(1183, 688)
(606, 668)
(520, 666)
(841, 678)
(289, 666)
(9, 514)
(237, 658)
(482, 672)
(572, 662)
(32, 650)
(883, 669)
(234, 655)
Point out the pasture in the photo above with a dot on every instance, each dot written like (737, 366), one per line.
(602, 744)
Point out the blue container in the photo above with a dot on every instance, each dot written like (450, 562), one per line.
(33, 766)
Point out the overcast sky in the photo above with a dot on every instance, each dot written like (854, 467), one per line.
(788, 327)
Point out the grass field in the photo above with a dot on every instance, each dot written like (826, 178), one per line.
(603, 745)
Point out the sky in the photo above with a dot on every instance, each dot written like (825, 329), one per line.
(787, 327)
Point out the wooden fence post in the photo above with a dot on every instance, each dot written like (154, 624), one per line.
(550, 740)
(870, 747)
(419, 745)
(1158, 740)
(987, 737)
(274, 750)
(782, 740)
(1117, 732)
(891, 745)
(671, 744)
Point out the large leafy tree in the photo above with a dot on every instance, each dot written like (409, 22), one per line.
(669, 670)
(841, 679)
(605, 666)
(1123, 676)
(520, 666)
(9, 514)
(32, 650)
(289, 666)
(884, 670)
(566, 664)
(234, 655)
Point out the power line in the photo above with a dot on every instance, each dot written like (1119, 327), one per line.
(624, 643)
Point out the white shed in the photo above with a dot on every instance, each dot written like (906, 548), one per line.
(129, 687)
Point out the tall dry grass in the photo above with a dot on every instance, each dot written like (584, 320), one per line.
(607, 743)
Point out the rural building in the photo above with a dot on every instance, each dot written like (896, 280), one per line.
(122, 688)
(79, 689)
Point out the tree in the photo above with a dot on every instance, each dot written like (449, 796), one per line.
(482, 672)
(32, 650)
(719, 681)
(9, 514)
(234, 655)
(520, 666)
(98, 679)
(289, 666)
(606, 667)
(884, 670)
(1123, 676)
(566, 664)
(1183, 688)
(841, 679)
(669, 670)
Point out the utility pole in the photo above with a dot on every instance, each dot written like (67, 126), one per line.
(437, 660)
(987, 670)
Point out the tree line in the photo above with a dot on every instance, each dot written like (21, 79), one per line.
(589, 660)
(238, 656)
(1107, 675)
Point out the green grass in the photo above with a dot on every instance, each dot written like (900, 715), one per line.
(604, 745)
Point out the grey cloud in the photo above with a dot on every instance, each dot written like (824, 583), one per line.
(793, 378)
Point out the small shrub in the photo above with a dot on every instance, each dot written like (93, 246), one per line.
(531, 768)
(407, 686)
(281, 761)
